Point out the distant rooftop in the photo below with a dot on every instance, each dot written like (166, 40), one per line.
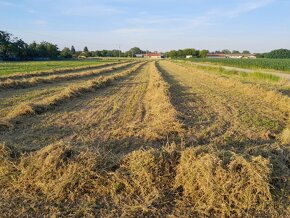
(152, 54)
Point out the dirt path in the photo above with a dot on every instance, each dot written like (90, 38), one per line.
(215, 110)
(279, 74)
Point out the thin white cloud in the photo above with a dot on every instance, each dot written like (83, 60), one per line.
(40, 22)
(238, 10)
(189, 23)
(197, 21)
(9, 4)
(91, 10)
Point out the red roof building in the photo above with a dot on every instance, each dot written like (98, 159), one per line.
(216, 56)
(153, 55)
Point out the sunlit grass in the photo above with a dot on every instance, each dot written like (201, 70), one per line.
(272, 64)
(7, 68)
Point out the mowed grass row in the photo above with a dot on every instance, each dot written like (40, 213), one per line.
(98, 171)
(10, 68)
(238, 112)
(230, 124)
(133, 91)
(57, 71)
(262, 63)
(24, 83)
(68, 93)
(12, 97)
(109, 116)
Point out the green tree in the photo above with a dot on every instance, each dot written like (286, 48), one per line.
(5, 44)
(203, 53)
(86, 52)
(279, 53)
(66, 53)
(47, 50)
(72, 50)
(86, 49)
(260, 55)
(52, 50)
(20, 49)
(235, 52)
(134, 51)
(246, 52)
(12, 47)
(226, 51)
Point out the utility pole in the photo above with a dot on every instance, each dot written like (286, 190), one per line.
(119, 51)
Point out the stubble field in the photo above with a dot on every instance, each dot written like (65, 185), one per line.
(144, 139)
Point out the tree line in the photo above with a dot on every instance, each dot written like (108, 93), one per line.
(13, 48)
(278, 53)
(182, 53)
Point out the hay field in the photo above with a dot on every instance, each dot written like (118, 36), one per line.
(144, 139)
(10, 68)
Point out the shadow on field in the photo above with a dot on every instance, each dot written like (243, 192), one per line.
(285, 92)
(129, 84)
(180, 96)
(192, 112)
(26, 139)
(202, 124)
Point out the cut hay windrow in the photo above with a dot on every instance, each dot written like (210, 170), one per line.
(160, 117)
(57, 71)
(68, 93)
(232, 111)
(20, 84)
(101, 152)
(194, 182)
(229, 186)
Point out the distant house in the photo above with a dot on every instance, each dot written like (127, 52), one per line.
(188, 56)
(239, 56)
(232, 56)
(216, 56)
(153, 55)
(235, 56)
(253, 56)
(139, 55)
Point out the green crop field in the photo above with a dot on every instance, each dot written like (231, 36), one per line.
(7, 68)
(272, 64)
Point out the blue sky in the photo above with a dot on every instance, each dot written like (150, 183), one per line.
(161, 25)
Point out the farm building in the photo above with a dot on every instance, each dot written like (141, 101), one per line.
(188, 56)
(139, 55)
(235, 56)
(153, 55)
(216, 56)
(239, 56)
